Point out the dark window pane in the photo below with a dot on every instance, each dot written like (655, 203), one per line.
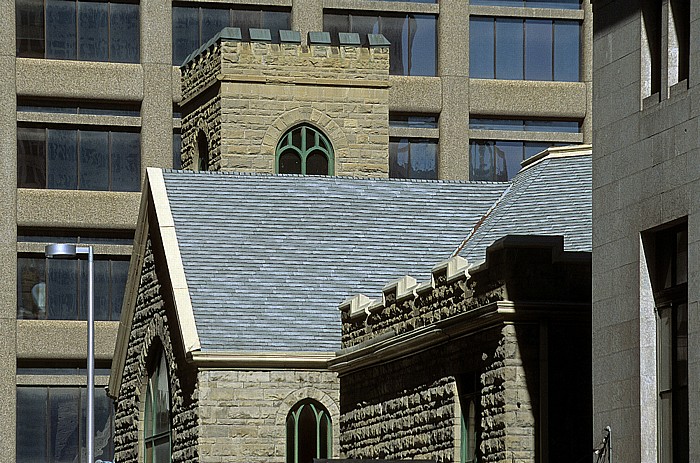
(60, 29)
(334, 23)
(31, 424)
(498, 2)
(62, 289)
(396, 30)
(276, 21)
(421, 45)
(94, 26)
(245, 19)
(29, 17)
(565, 4)
(120, 271)
(126, 161)
(428, 122)
(481, 154)
(495, 124)
(31, 158)
(31, 288)
(124, 33)
(213, 20)
(398, 158)
(185, 32)
(316, 164)
(290, 163)
(533, 148)
(481, 48)
(552, 126)
(509, 155)
(101, 290)
(177, 147)
(509, 48)
(566, 51)
(538, 49)
(64, 425)
(424, 160)
(93, 165)
(104, 425)
(62, 159)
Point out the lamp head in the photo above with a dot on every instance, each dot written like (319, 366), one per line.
(61, 250)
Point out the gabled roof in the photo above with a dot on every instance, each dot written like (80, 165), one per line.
(268, 258)
(551, 195)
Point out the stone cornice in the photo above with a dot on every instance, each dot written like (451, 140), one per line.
(263, 360)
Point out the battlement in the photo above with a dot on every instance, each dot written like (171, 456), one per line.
(227, 58)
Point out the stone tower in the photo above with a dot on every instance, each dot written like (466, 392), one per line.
(287, 108)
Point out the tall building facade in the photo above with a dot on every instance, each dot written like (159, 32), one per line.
(90, 98)
(646, 229)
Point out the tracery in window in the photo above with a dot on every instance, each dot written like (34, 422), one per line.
(156, 437)
(304, 150)
(309, 432)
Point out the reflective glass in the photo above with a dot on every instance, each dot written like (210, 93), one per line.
(125, 157)
(509, 155)
(29, 30)
(424, 160)
(31, 424)
(177, 147)
(101, 289)
(60, 29)
(533, 148)
(104, 425)
(481, 154)
(124, 33)
(64, 427)
(421, 45)
(213, 20)
(93, 157)
(428, 122)
(368, 24)
(94, 31)
(564, 4)
(62, 289)
(481, 47)
(62, 159)
(566, 51)
(162, 398)
(276, 21)
(396, 30)
(31, 288)
(185, 32)
(31, 157)
(495, 124)
(398, 158)
(538, 49)
(552, 126)
(119, 273)
(509, 48)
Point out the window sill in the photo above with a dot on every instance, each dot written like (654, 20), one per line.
(651, 101)
(678, 88)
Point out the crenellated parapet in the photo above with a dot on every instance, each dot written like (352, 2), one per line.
(517, 268)
(240, 97)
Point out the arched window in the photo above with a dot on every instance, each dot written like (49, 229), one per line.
(304, 150)
(309, 432)
(202, 161)
(468, 434)
(156, 419)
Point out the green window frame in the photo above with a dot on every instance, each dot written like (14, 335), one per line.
(156, 438)
(304, 150)
(309, 432)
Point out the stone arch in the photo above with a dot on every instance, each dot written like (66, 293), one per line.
(311, 116)
(307, 393)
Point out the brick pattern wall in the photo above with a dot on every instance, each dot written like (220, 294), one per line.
(243, 413)
(266, 89)
(150, 336)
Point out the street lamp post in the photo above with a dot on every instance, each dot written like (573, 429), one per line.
(67, 251)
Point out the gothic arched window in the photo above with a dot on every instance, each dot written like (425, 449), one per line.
(304, 150)
(156, 436)
(309, 432)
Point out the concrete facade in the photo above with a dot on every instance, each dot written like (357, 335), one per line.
(153, 85)
(646, 177)
(488, 334)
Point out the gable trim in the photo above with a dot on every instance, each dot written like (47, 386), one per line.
(314, 360)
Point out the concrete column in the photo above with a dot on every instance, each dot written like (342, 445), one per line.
(307, 16)
(8, 230)
(453, 69)
(156, 108)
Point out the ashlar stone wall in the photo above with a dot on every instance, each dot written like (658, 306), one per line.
(245, 96)
(243, 413)
(151, 336)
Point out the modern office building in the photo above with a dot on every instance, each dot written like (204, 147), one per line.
(646, 230)
(90, 94)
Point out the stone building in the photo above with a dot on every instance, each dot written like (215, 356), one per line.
(646, 180)
(230, 317)
(487, 362)
(86, 80)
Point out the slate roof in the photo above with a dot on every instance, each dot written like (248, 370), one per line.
(550, 197)
(268, 258)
